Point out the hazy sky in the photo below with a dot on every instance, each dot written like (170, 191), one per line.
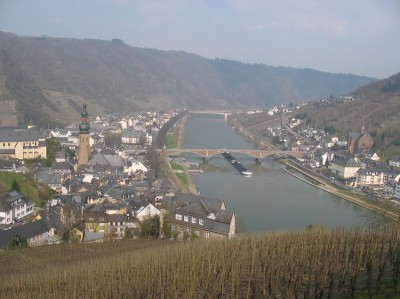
(340, 36)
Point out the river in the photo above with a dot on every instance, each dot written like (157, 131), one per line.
(270, 199)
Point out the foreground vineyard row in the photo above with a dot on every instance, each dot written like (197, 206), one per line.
(310, 264)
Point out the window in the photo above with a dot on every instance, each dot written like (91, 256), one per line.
(193, 220)
(178, 216)
(207, 235)
(197, 233)
(173, 227)
(201, 221)
(189, 230)
(186, 218)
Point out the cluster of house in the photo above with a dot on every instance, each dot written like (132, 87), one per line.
(107, 198)
(349, 159)
(92, 216)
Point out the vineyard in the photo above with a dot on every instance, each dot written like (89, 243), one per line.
(314, 263)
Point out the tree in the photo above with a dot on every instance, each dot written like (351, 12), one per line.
(113, 139)
(166, 228)
(17, 242)
(15, 186)
(150, 227)
(53, 146)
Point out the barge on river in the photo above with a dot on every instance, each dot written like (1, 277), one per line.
(239, 167)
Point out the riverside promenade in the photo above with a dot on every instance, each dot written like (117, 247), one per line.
(324, 183)
(191, 187)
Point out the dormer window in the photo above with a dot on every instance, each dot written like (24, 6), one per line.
(178, 216)
(186, 218)
(194, 220)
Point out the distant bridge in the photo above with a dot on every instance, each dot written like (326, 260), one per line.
(208, 153)
(225, 113)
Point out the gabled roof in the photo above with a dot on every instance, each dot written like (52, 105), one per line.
(195, 208)
(62, 166)
(6, 200)
(26, 231)
(18, 135)
(211, 204)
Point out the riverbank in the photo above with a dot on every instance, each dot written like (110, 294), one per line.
(178, 170)
(334, 191)
(322, 184)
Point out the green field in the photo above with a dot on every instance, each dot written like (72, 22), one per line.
(171, 139)
(28, 187)
(183, 178)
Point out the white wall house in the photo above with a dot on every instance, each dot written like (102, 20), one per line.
(395, 161)
(146, 212)
(397, 193)
(134, 166)
(131, 137)
(14, 206)
(367, 177)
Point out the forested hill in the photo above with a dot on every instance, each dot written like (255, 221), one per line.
(377, 106)
(46, 79)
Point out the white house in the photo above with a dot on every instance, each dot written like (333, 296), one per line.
(397, 193)
(133, 166)
(14, 206)
(367, 177)
(395, 161)
(131, 137)
(146, 211)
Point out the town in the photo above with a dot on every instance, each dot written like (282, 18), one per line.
(347, 160)
(108, 190)
(106, 182)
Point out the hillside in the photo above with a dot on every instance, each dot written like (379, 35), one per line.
(47, 79)
(378, 107)
(314, 263)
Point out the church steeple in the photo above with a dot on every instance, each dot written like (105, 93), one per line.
(84, 145)
(362, 129)
(84, 126)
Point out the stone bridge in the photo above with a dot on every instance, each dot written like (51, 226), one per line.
(208, 153)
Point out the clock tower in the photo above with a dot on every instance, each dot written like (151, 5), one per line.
(84, 146)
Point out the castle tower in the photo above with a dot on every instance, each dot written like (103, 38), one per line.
(84, 146)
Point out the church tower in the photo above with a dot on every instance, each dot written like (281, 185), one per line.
(84, 146)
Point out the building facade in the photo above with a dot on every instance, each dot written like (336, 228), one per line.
(22, 143)
(397, 193)
(344, 167)
(14, 206)
(196, 216)
(360, 142)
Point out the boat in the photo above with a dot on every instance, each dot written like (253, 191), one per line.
(246, 173)
(239, 167)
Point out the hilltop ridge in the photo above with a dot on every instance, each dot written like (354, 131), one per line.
(47, 80)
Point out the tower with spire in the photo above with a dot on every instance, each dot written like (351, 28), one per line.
(360, 142)
(84, 147)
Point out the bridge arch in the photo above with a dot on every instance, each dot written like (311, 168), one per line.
(208, 153)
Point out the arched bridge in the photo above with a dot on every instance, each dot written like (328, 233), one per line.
(208, 153)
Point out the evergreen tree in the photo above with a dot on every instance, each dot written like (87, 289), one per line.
(15, 186)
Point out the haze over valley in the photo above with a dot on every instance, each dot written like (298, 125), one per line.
(46, 80)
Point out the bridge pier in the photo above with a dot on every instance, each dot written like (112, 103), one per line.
(205, 160)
